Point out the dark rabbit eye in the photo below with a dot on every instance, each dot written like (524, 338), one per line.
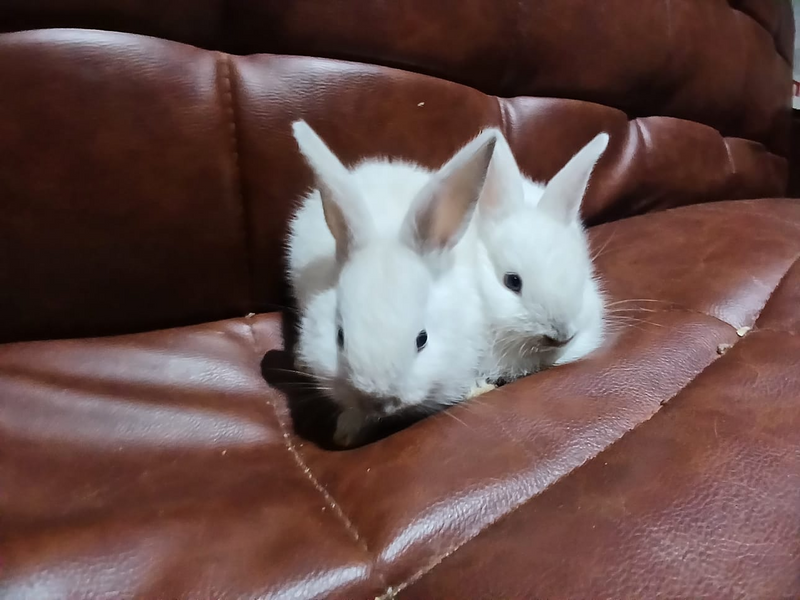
(513, 282)
(422, 340)
(340, 337)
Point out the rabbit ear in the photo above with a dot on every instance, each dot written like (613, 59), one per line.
(503, 189)
(563, 195)
(441, 212)
(345, 212)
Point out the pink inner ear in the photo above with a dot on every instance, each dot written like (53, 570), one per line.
(439, 223)
(337, 224)
(503, 189)
(564, 193)
(442, 211)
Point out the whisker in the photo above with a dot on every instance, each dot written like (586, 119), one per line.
(633, 309)
(316, 395)
(599, 253)
(452, 416)
(292, 371)
(271, 308)
(473, 403)
(624, 319)
(302, 374)
(307, 386)
(637, 300)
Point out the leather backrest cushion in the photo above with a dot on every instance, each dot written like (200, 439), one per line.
(146, 183)
(117, 186)
(720, 62)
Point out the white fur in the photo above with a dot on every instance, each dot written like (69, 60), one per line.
(535, 231)
(369, 251)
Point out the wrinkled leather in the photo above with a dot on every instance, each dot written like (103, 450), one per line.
(145, 187)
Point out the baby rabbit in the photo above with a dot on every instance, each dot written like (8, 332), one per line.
(390, 315)
(535, 270)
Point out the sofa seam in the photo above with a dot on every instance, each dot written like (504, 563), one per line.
(772, 293)
(234, 142)
(768, 149)
(731, 164)
(308, 474)
(391, 592)
(502, 107)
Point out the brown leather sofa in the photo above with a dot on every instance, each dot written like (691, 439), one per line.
(145, 185)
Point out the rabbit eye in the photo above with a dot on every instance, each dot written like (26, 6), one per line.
(513, 282)
(422, 340)
(340, 337)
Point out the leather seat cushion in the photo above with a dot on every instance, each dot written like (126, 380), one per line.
(163, 465)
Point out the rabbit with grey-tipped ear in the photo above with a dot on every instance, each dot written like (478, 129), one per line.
(390, 317)
(535, 270)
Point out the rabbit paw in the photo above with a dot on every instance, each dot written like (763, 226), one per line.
(348, 428)
(479, 387)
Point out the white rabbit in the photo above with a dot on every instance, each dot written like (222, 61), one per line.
(535, 270)
(390, 316)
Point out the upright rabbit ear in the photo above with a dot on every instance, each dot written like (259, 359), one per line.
(563, 195)
(442, 210)
(503, 190)
(345, 212)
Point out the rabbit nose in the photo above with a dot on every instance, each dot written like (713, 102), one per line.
(559, 340)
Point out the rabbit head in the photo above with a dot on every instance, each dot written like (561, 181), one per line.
(402, 323)
(536, 271)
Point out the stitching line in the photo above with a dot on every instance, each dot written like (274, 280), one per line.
(312, 479)
(226, 73)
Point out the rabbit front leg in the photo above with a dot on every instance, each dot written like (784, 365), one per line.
(480, 387)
